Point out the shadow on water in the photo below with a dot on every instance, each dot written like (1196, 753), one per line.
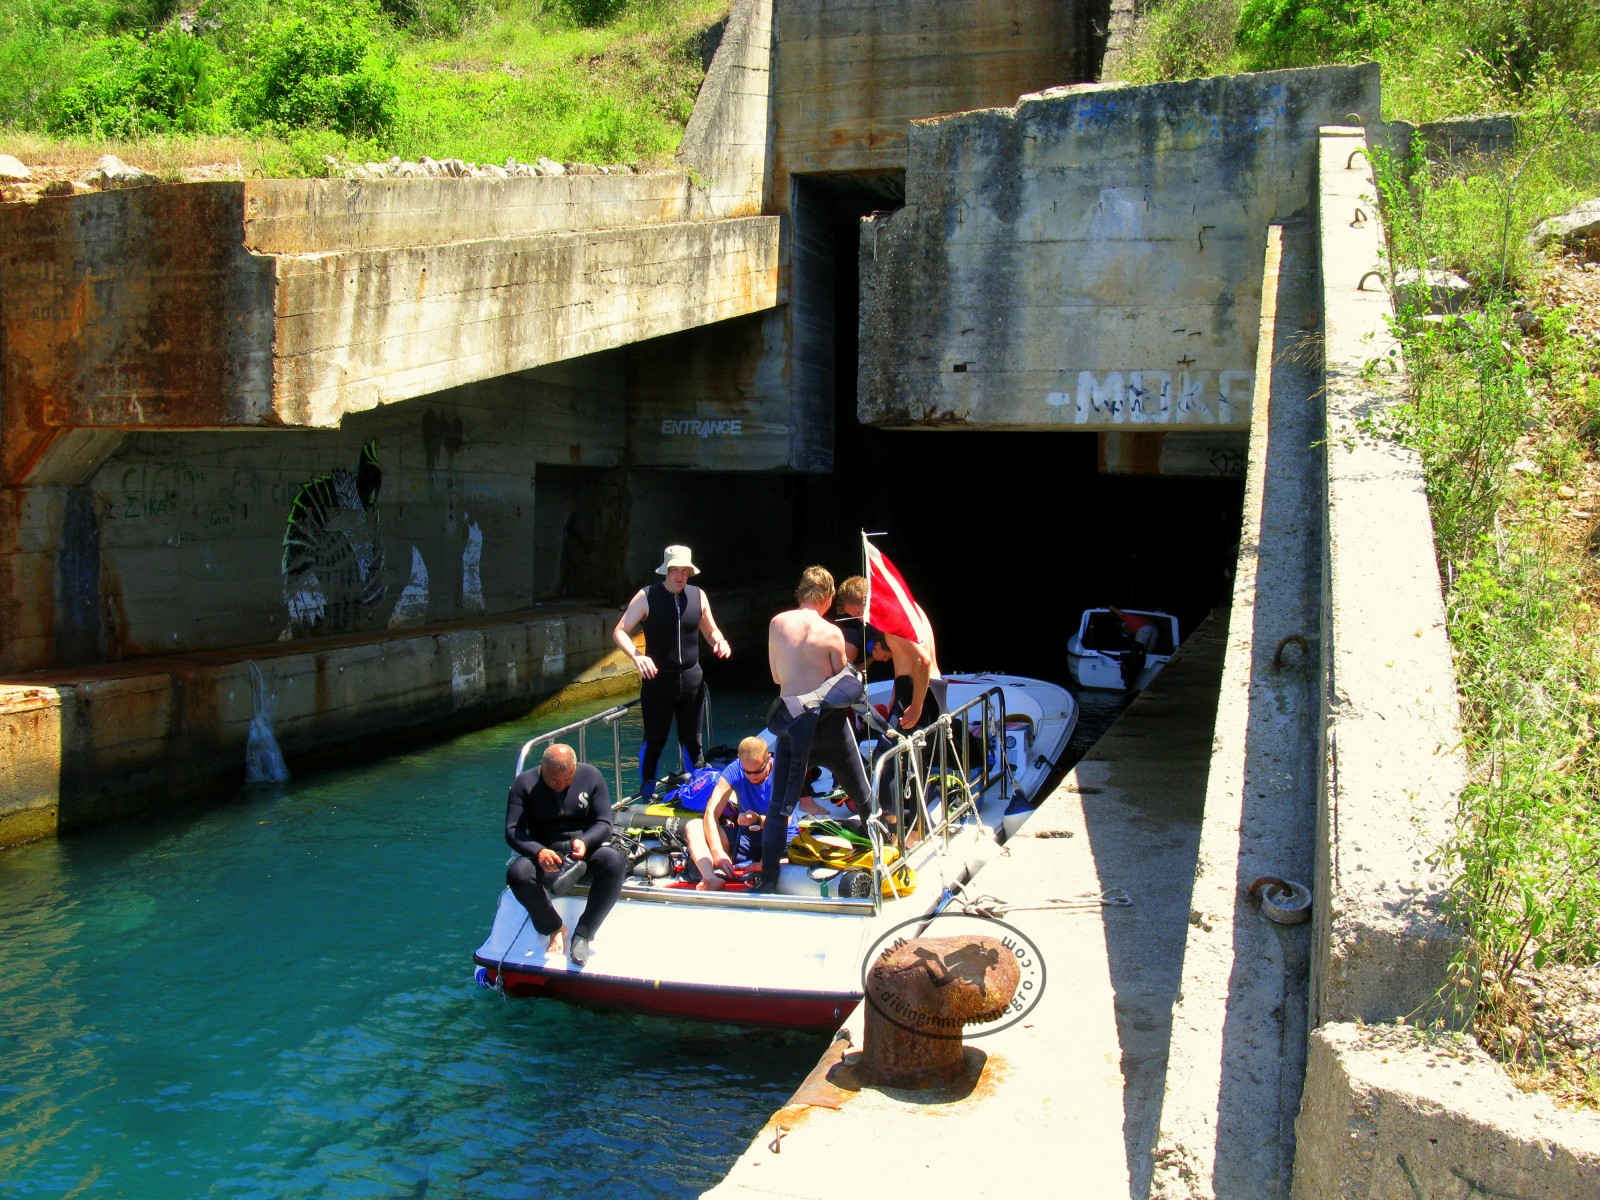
(273, 997)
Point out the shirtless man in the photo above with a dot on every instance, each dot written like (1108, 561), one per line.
(919, 689)
(804, 649)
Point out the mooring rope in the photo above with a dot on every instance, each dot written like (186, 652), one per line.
(992, 906)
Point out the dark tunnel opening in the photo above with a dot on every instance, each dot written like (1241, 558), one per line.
(1005, 537)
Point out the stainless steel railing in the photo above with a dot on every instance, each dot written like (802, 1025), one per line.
(906, 760)
(612, 718)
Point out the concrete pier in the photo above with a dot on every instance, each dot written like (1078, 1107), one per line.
(1066, 1101)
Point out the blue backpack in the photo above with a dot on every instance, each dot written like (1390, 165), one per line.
(696, 794)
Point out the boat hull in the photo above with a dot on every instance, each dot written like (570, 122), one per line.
(725, 1003)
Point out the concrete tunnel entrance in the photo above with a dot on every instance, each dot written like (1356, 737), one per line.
(1006, 537)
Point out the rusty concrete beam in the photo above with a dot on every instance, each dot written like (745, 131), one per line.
(283, 303)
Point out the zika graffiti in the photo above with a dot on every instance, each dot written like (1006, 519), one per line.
(332, 552)
(1157, 398)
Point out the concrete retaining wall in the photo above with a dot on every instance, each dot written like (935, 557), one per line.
(85, 749)
(1090, 259)
(1393, 759)
(728, 139)
(1386, 1110)
(1392, 1112)
(76, 750)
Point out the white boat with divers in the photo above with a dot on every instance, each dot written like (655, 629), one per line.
(793, 957)
(1121, 649)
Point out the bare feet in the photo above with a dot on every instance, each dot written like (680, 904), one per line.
(557, 943)
(712, 884)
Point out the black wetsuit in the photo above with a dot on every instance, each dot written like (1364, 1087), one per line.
(540, 818)
(672, 640)
(823, 737)
(932, 708)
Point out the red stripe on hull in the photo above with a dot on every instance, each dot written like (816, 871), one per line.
(788, 1010)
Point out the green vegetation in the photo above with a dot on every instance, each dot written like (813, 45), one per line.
(1504, 410)
(1440, 58)
(280, 84)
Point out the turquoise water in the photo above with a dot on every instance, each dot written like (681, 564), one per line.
(273, 997)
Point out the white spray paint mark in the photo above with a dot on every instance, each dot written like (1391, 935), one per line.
(263, 760)
(555, 651)
(307, 605)
(468, 679)
(1150, 398)
(412, 606)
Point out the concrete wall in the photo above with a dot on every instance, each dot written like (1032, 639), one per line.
(297, 302)
(1393, 1112)
(1090, 259)
(850, 74)
(1388, 1110)
(177, 543)
(728, 139)
(92, 748)
(1393, 768)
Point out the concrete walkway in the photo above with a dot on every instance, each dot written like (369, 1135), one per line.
(1068, 1098)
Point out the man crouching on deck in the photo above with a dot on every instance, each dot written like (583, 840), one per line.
(804, 650)
(558, 820)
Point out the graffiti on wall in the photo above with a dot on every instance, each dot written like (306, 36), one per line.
(332, 553)
(1158, 398)
(412, 606)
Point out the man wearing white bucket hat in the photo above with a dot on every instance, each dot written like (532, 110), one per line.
(674, 613)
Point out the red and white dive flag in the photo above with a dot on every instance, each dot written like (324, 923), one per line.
(890, 606)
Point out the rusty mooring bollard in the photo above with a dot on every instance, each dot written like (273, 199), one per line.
(920, 994)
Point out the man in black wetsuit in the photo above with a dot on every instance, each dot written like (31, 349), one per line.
(675, 613)
(919, 689)
(556, 814)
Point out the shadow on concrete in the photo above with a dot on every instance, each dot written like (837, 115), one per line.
(1144, 788)
(1264, 1031)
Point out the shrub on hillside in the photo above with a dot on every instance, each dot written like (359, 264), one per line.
(318, 66)
(1182, 39)
(592, 12)
(168, 82)
(1288, 33)
(1521, 39)
(435, 18)
(103, 16)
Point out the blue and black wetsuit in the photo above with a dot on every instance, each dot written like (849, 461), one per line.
(539, 818)
(672, 640)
